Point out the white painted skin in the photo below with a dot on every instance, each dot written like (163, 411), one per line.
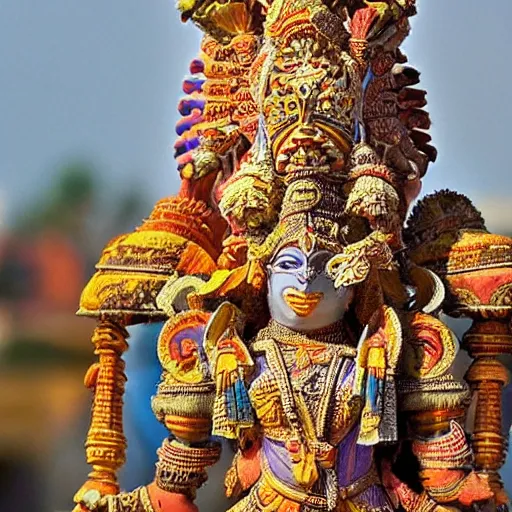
(291, 268)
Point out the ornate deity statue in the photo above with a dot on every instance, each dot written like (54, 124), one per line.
(301, 302)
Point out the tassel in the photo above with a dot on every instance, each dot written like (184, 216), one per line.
(243, 405)
(360, 26)
(362, 21)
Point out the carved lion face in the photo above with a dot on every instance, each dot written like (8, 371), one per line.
(309, 103)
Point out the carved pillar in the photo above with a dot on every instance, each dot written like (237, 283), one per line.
(485, 341)
(106, 443)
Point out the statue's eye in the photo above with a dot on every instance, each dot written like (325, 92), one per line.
(288, 264)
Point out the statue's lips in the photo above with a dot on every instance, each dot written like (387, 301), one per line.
(302, 303)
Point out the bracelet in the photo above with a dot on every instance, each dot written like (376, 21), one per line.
(450, 451)
(182, 469)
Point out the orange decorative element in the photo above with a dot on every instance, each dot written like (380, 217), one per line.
(246, 467)
(224, 281)
(482, 288)
(179, 346)
(449, 451)
(234, 253)
(190, 218)
(477, 250)
(230, 110)
(181, 235)
(302, 303)
(249, 464)
(106, 444)
(290, 23)
(444, 461)
(188, 429)
(243, 285)
(487, 377)
(476, 488)
(271, 499)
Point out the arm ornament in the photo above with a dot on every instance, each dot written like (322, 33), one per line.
(182, 469)
(184, 403)
(427, 392)
(184, 400)
(449, 451)
(435, 405)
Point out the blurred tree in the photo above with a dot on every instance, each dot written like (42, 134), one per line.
(57, 239)
(77, 206)
(62, 206)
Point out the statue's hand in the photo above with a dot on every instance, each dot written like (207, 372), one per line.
(226, 370)
(90, 501)
(143, 499)
(469, 489)
(475, 488)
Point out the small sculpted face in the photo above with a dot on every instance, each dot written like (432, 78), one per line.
(301, 296)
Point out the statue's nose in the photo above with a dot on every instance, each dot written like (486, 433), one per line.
(302, 279)
(306, 276)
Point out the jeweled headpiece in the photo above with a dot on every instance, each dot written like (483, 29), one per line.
(311, 216)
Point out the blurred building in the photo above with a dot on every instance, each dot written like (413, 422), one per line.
(44, 350)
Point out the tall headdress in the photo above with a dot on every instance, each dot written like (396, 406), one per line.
(311, 215)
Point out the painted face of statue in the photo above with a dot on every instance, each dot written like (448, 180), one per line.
(301, 296)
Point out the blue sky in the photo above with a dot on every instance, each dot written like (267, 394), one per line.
(100, 79)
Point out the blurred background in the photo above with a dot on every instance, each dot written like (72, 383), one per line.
(88, 95)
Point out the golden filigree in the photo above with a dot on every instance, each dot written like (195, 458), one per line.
(353, 265)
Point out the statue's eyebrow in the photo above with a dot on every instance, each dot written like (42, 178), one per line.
(288, 257)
